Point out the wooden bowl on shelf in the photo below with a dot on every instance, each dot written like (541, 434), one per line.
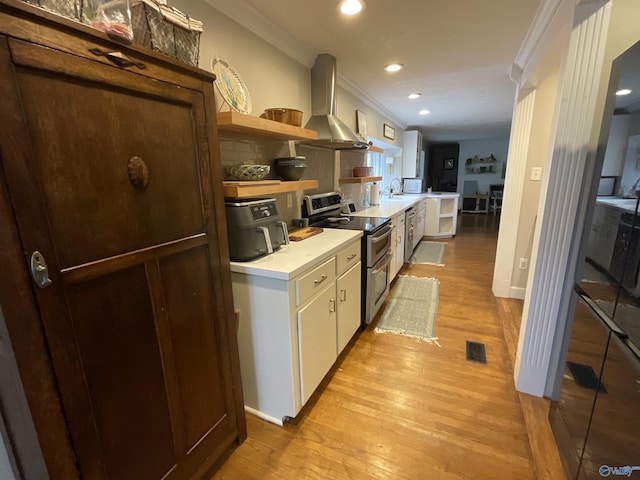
(363, 171)
(284, 115)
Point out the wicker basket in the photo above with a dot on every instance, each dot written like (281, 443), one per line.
(248, 172)
(166, 30)
(66, 8)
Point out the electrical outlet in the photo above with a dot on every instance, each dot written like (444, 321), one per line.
(289, 200)
(536, 174)
(523, 264)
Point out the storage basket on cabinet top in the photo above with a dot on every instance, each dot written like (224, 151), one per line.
(166, 29)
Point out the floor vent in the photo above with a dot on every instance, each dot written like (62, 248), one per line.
(476, 352)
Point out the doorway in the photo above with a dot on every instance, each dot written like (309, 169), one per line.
(443, 167)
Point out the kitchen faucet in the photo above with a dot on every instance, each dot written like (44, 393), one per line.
(633, 190)
(399, 186)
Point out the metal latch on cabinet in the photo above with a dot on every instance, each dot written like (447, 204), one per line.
(39, 270)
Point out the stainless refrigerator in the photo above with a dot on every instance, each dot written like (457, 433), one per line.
(596, 419)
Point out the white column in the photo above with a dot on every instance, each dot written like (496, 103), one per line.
(561, 216)
(512, 195)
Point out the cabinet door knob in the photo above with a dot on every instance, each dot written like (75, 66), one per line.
(332, 305)
(343, 295)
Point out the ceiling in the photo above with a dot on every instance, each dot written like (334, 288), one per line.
(457, 53)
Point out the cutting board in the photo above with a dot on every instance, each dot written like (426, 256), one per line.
(302, 233)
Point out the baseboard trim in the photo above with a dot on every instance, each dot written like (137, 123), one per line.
(264, 416)
(517, 292)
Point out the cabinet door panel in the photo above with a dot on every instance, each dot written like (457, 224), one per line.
(83, 135)
(349, 290)
(135, 318)
(317, 340)
(113, 320)
(187, 287)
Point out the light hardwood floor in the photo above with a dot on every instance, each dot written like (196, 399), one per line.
(396, 408)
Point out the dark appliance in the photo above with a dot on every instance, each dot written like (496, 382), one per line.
(324, 210)
(409, 232)
(254, 228)
(596, 419)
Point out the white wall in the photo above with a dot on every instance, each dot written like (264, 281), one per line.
(537, 156)
(498, 147)
(272, 78)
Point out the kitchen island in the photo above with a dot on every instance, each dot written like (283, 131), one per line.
(440, 216)
(299, 307)
(436, 216)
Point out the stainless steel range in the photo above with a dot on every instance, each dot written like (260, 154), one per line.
(323, 210)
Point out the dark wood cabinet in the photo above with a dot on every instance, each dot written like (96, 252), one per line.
(108, 169)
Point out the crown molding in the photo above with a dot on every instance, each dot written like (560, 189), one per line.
(368, 100)
(246, 15)
(537, 31)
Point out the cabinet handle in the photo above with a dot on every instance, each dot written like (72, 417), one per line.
(117, 58)
(322, 279)
(352, 256)
(332, 305)
(343, 295)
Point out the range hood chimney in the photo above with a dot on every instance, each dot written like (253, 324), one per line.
(332, 132)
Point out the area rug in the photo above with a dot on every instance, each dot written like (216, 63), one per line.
(412, 308)
(428, 253)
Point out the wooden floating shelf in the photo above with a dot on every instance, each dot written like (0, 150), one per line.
(241, 123)
(248, 190)
(359, 179)
(373, 148)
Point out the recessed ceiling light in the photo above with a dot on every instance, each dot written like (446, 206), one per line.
(351, 7)
(413, 96)
(624, 91)
(393, 67)
(424, 112)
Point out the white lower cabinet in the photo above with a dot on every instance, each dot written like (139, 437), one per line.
(397, 244)
(421, 209)
(349, 292)
(441, 216)
(317, 331)
(291, 331)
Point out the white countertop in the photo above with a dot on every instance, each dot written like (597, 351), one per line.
(625, 204)
(293, 259)
(392, 206)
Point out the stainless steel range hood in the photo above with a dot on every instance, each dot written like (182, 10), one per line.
(332, 132)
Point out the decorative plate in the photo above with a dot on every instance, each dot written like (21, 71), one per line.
(230, 86)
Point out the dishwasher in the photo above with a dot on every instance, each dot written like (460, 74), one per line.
(410, 223)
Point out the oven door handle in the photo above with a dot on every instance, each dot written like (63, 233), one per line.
(383, 236)
(385, 262)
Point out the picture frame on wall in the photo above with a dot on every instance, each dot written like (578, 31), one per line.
(361, 124)
(449, 163)
(389, 132)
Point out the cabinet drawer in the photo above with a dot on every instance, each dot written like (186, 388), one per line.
(348, 257)
(315, 280)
